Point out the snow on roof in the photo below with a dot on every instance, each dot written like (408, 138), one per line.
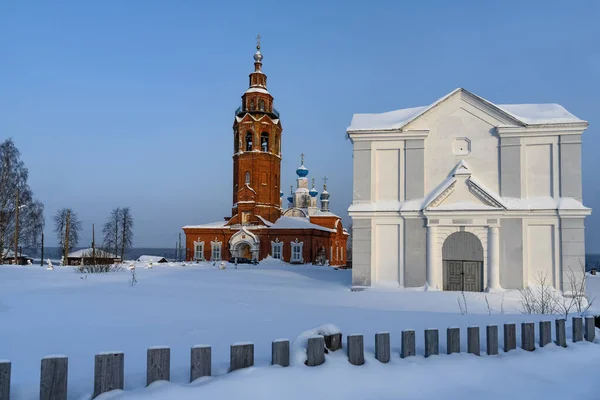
(218, 224)
(528, 114)
(532, 114)
(152, 259)
(88, 253)
(387, 120)
(7, 253)
(297, 223)
(257, 89)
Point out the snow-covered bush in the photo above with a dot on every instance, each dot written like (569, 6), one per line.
(98, 268)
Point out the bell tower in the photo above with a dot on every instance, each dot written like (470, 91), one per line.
(256, 152)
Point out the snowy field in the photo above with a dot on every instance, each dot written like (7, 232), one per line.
(46, 312)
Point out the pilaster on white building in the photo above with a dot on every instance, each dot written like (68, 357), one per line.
(467, 195)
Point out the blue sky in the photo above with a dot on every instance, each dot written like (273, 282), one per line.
(130, 103)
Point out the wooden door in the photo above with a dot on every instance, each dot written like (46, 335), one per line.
(453, 274)
(472, 276)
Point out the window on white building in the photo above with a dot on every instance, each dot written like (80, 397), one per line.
(215, 251)
(296, 251)
(276, 250)
(198, 250)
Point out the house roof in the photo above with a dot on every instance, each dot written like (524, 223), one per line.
(84, 253)
(9, 253)
(525, 114)
(152, 259)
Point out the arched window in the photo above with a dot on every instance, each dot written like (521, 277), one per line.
(252, 104)
(261, 105)
(249, 141)
(264, 141)
(236, 143)
(247, 178)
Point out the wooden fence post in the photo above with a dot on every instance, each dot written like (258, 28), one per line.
(158, 364)
(200, 362)
(510, 337)
(577, 329)
(473, 346)
(545, 333)
(315, 353)
(561, 332)
(382, 347)
(333, 342)
(53, 378)
(108, 372)
(280, 352)
(356, 350)
(528, 336)
(491, 335)
(432, 342)
(590, 329)
(241, 356)
(453, 340)
(408, 344)
(4, 380)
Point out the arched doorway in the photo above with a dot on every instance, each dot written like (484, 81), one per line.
(243, 250)
(462, 255)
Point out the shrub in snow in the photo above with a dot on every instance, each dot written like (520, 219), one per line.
(223, 265)
(98, 268)
(300, 344)
(50, 267)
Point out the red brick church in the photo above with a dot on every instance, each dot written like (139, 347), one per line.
(259, 225)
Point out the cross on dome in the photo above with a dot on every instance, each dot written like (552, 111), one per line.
(325, 182)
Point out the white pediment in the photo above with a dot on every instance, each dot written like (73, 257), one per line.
(462, 191)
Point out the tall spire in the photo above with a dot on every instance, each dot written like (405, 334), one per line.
(325, 196)
(258, 55)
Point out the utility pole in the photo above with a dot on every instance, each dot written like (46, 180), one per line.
(42, 257)
(93, 245)
(179, 248)
(16, 226)
(67, 227)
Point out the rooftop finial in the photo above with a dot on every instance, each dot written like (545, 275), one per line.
(302, 159)
(291, 189)
(258, 56)
(313, 182)
(325, 182)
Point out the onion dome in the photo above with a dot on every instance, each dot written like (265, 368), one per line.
(281, 193)
(302, 171)
(313, 192)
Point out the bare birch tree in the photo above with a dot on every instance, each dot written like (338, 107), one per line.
(118, 231)
(126, 230)
(13, 184)
(67, 227)
(111, 231)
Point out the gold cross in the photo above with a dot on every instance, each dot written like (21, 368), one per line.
(258, 41)
(302, 159)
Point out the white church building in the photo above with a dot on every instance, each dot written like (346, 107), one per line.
(465, 194)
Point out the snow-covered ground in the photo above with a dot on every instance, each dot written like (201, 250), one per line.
(62, 312)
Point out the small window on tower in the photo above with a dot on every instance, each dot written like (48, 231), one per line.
(252, 104)
(247, 178)
(264, 141)
(249, 141)
(261, 105)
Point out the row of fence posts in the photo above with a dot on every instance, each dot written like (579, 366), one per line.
(109, 367)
